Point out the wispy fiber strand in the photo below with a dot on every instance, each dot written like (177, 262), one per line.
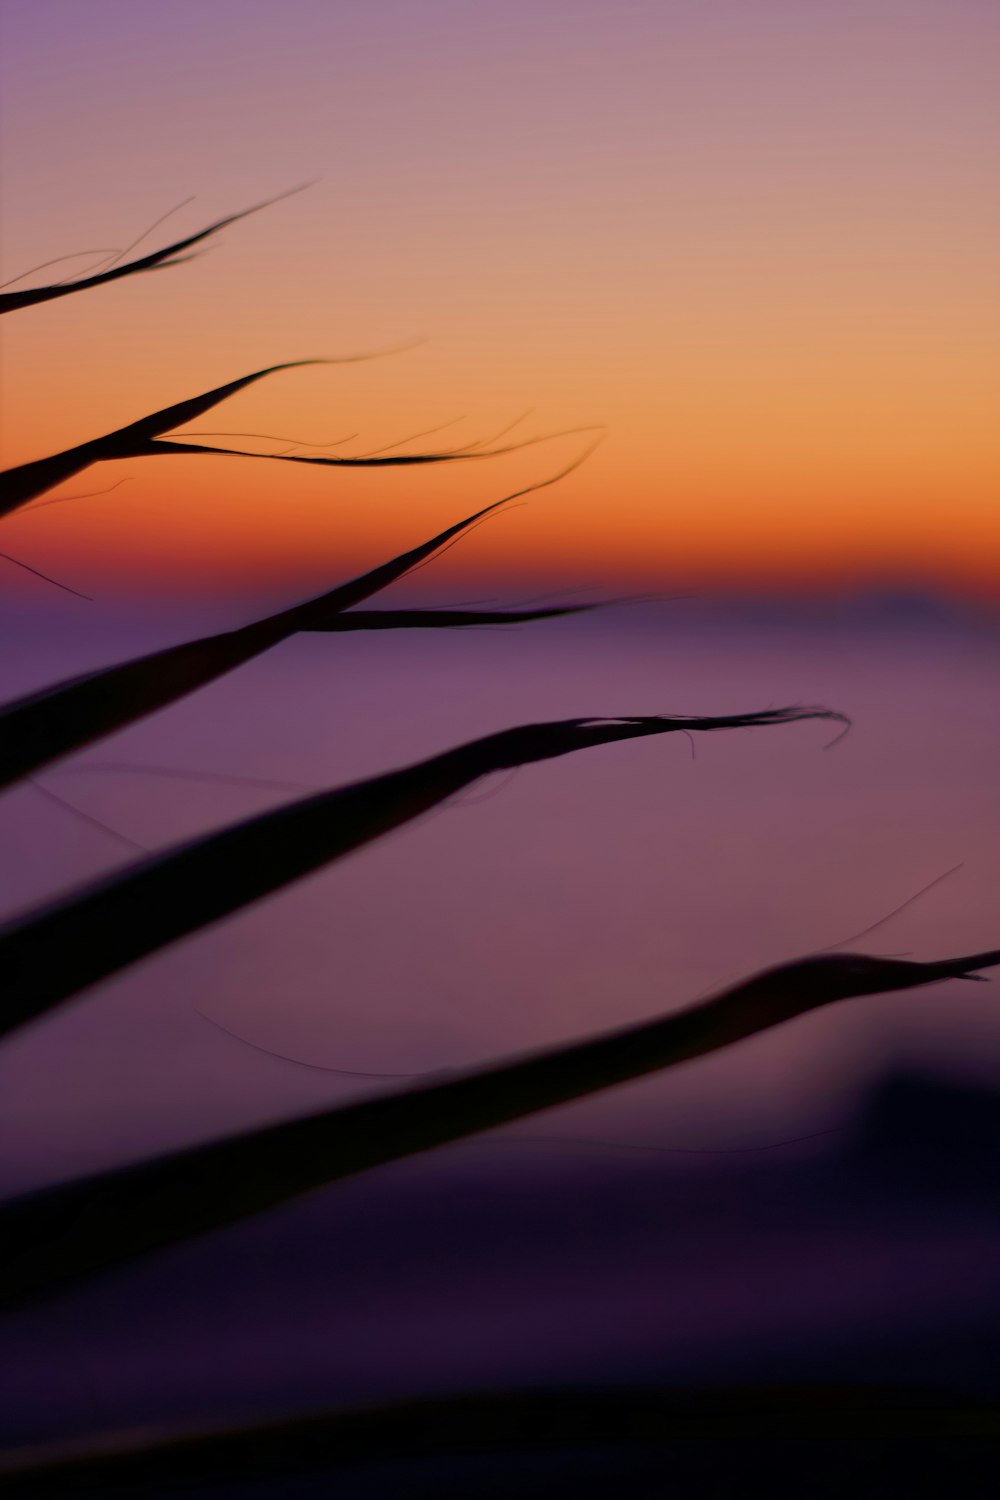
(54, 954)
(57, 1235)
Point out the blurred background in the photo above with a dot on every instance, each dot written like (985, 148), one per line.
(757, 242)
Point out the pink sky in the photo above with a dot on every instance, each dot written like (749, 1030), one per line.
(758, 242)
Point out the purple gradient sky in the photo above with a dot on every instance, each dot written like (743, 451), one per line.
(757, 240)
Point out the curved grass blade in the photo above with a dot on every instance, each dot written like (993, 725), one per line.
(446, 619)
(25, 482)
(486, 1423)
(170, 255)
(61, 1234)
(367, 461)
(37, 729)
(49, 956)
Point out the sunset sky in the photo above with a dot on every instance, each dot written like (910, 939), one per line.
(755, 238)
(745, 251)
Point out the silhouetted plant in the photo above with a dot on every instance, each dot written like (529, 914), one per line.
(52, 1238)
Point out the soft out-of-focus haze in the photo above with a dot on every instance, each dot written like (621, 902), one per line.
(586, 1244)
(572, 896)
(757, 240)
